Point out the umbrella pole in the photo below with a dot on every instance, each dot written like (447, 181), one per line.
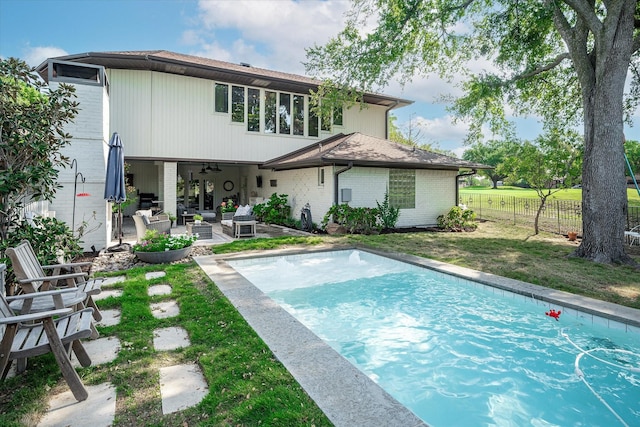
(120, 223)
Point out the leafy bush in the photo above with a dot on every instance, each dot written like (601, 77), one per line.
(274, 211)
(154, 241)
(355, 220)
(387, 214)
(50, 238)
(458, 219)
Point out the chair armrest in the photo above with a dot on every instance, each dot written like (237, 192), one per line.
(161, 217)
(34, 316)
(68, 265)
(33, 295)
(50, 278)
(159, 225)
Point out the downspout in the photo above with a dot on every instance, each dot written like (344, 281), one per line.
(386, 119)
(335, 181)
(472, 172)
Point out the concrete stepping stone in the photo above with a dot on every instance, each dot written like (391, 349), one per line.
(181, 386)
(102, 350)
(154, 275)
(97, 411)
(165, 309)
(170, 338)
(159, 290)
(113, 280)
(109, 317)
(106, 293)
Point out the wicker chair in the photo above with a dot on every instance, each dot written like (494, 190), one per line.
(162, 223)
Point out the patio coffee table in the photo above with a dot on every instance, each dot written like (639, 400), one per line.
(244, 228)
(204, 230)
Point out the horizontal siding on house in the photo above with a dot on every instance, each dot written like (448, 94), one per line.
(168, 116)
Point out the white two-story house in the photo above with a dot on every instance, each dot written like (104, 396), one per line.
(198, 131)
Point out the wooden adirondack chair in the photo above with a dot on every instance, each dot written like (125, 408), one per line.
(55, 331)
(32, 277)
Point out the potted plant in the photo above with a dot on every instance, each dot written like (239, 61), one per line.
(197, 218)
(158, 248)
(172, 218)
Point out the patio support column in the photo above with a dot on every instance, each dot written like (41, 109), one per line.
(170, 181)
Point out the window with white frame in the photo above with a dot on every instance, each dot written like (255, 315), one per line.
(237, 104)
(221, 98)
(402, 188)
(253, 110)
(272, 111)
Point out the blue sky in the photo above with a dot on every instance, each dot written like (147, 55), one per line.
(265, 33)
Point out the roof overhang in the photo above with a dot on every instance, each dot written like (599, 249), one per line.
(193, 66)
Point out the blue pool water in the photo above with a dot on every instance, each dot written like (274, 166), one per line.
(455, 352)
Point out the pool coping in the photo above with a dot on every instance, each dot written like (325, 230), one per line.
(346, 395)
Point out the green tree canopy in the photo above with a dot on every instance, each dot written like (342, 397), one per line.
(493, 153)
(552, 162)
(564, 60)
(32, 118)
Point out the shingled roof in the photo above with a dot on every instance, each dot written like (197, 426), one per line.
(358, 149)
(211, 69)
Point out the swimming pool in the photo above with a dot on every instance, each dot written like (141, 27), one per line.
(457, 352)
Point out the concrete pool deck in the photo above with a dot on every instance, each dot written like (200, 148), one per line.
(345, 394)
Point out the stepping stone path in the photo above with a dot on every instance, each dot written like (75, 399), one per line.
(181, 386)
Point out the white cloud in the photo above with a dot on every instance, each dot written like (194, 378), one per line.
(36, 55)
(441, 130)
(274, 34)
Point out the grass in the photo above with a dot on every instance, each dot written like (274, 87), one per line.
(248, 386)
(568, 194)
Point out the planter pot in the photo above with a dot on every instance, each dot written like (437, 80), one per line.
(197, 221)
(163, 257)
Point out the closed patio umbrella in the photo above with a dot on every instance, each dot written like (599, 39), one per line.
(115, 189)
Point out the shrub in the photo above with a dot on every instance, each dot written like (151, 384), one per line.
(153, 241)
(274, 211)
(458, 219)
(51, 239)
(355, 220)
(387, 214)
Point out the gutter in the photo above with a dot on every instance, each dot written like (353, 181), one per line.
(472, 172)
(336, 183)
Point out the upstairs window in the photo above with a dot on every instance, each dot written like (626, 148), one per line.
(221, 98)
(298, 115)
(402, 188)
(313, 124)
(337, 116)
(285, 113)
(253, 110)
(270, 112)
(237, 104)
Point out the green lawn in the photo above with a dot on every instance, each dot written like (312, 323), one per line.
(569, 194)
(248, 385)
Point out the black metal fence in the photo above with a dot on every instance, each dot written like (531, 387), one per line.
(557, 216)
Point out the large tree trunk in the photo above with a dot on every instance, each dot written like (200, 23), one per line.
(604, 194)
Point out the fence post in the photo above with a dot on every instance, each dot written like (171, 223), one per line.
(558, 213)
(513, 199)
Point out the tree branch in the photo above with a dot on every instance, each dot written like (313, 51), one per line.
(541, 69)
(587, 12)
